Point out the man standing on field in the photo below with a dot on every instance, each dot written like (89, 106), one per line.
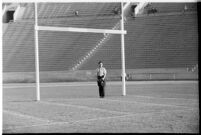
(101, 74)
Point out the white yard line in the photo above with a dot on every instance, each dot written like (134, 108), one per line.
(70, 99)
(166, 105)
(74, 122)
(124, 114)
(161, 97)
(93, 83)
(126, 101)
(82, 121)
(62, 123)
(133, 96)
(49, 123)
(84, 107)
(25, 116)
(45, 85)
(160, 82)
(94, 119)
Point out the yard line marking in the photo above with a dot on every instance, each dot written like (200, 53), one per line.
(160, 97)
(59, 123)
(94, 83)
(149, 103)
(94, 119)
(159, 82)
(86, 120)
(53, 99)
(140, 96)
(25, 116)
(48, 85)
(84, 107)
(70, 99)
(74, 122)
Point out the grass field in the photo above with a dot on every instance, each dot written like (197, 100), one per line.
(149, 106)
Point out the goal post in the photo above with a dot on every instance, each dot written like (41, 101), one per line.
(123, 53)
(122, 32)
(37, 56)
(73, 29)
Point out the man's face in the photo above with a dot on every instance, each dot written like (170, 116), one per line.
(100, 64)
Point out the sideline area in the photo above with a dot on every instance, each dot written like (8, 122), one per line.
(18, 85)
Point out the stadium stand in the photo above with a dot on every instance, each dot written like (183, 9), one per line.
(50, 42)
(171, 7)
(18, 54)
(154, 41)
(49, 10)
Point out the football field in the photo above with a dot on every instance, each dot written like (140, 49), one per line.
(148, 107)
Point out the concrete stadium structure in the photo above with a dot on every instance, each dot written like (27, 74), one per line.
(167, 39)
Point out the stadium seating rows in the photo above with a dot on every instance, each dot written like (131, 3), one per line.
(171, 7)
(55, 47)
(152, 42)
(49, 10)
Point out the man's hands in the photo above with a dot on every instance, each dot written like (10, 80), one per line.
(102, 79)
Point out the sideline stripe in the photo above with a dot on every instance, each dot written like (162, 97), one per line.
(70, 99)
(25, 116)
(84, 107)
(94, 83)
(46, 85)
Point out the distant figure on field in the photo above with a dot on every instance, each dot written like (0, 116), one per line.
(101, 74)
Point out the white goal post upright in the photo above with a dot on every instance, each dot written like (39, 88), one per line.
(86, 30)
(123, 53)
(37, 56)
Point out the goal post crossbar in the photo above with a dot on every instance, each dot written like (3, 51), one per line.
(74, 29)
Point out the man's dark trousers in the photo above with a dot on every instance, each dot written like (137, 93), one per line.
(101, 90)
(101, 85)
